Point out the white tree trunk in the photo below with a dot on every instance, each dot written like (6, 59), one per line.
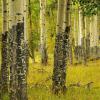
(96, 35)
(93, 31)
(43, 31)
(21, 49)
(98, 22)
(80, 28)
(76, 27)
(61, 17)
(61, 48)
(12, 49)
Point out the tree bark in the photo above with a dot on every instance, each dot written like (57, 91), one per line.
(4, 66)
(76, 26)
(44, 56)
(70, 34)
(87, 32)
(81, 37)
(21, 49)
(93, 36)
(12, 49)
(61, 49)
(98, 26)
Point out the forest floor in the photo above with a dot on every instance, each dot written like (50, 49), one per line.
(83, 82)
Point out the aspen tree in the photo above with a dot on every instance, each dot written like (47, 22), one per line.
(61, 48)
(31, 32)
(98, 24)
(76, 26)
(81, 37)
(44, 56)
(93, 36)
(96, 39)
(80, 27)
(84, 41)
(12, 49)
(87, 34)
(0, 87)
(80, 34)
(4, 66)
(98, 31)
(21, 49)
(70, 32)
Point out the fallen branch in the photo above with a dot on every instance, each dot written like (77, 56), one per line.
(88, 85)
(42, 82)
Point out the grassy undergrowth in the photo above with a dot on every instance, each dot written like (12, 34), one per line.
(40, 81)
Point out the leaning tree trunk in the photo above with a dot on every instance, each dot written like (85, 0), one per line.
(12, 49)
(21, 49)
(61, 45)
(4, 67)
(44, 56)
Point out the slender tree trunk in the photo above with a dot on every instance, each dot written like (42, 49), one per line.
(81, 42)
(80, 28)
(31, 38)
(61, 45)
(0, 86)
(96, 39)
(12, 49)
(98, 26)
(44, 56)
(84, 42)
(4, 66)
(76, 26)
(70, 34)
(87, 32)
(79, 49)
(93, 36)
(21, 50)
(26, 4)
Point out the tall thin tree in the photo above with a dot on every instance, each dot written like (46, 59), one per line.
(31, 31)
(12, 49)
(61, 48)
(44, 56)
(4, 66)
(21, 49)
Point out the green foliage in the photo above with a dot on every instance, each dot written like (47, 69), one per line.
(35, 8)
(35, 37)
(90, 7)
(6, 97)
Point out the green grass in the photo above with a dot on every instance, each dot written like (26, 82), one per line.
(39, 74)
